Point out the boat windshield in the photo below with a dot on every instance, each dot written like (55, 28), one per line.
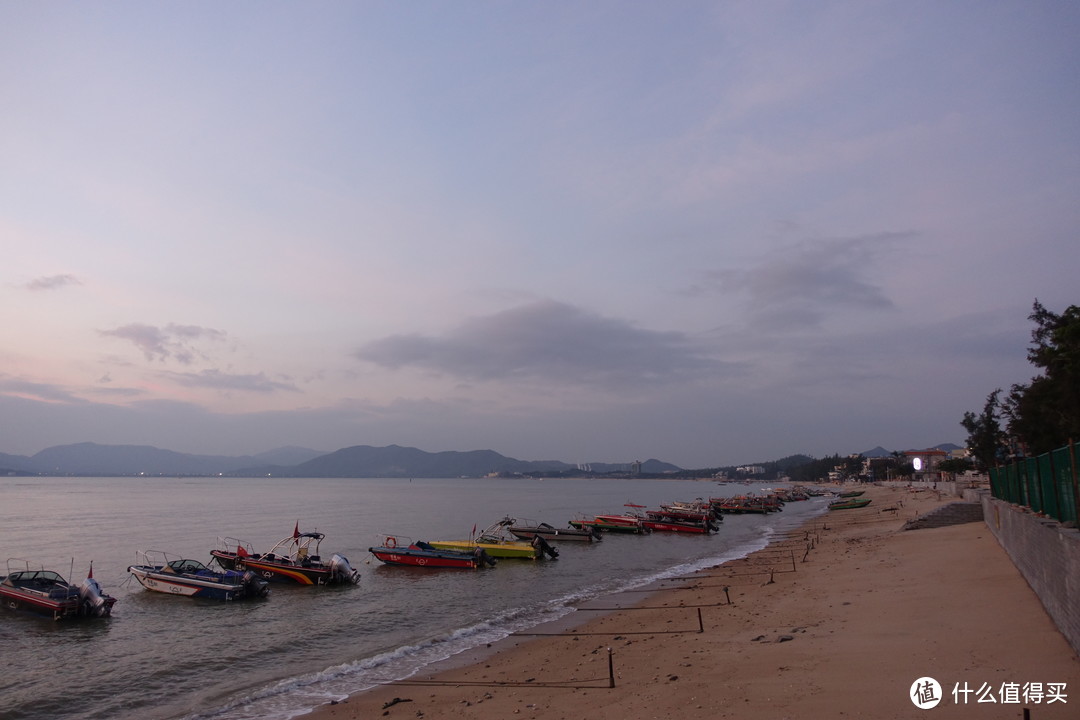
(36, 576)
(186, 566)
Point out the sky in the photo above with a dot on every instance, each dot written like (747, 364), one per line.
(710, 233)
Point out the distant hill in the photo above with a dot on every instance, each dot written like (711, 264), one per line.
(89, 459)
(397, 461)
(92, 459)
(288, 455)
(14, 465)
(876, 453)
(882, 452)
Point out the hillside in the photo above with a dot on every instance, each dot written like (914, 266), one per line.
(91, 459)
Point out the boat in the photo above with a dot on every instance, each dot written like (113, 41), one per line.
(396, 550)
(46, 592)
(749, 503)
(528, 529)
(851, 493)
(849, 504)
(697, 516)
(633, 521)
(295, 559)
(169, 574)
(695, 510)
(497, 542)
(665, 521)
(633, 524)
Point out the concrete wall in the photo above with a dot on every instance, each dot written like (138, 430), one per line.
(943, 487)
(962, 487)
(1047, 555)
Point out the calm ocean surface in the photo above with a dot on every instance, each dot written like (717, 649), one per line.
(170, 657)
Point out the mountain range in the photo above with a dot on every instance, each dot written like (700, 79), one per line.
(91, 459)
(880, 452)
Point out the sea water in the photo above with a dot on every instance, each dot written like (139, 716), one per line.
(161, 656)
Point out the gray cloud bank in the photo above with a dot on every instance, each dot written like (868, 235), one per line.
(52, 282)
(548, 341)
(172, 341)
(900, 387)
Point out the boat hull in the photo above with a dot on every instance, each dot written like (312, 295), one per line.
(514, 550)
(619, 527)
(209, 588)
(294, 560)
(415, 557)
(662, 526)
(852, 504)
(554, 534)
(45, 606)
(276, 572)
(54, 597)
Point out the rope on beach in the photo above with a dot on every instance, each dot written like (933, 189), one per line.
(700, 627)
(609, 682)
(572, 684)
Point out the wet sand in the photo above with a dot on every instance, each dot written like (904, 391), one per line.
(837, 619)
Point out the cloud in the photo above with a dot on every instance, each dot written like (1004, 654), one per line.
(547, 341)
(52, 282)
(217, 380)
(119, 392)
(172, 341)
(802, 285)
(45, 392)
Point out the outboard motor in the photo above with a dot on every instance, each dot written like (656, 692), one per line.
(341, 571)
(255, 586)
(485, 558)
(545, 547)
(95, 602)
(595, 532)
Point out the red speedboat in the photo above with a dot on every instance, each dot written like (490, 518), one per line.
(395, 551)
(47, 593)
(629, 522)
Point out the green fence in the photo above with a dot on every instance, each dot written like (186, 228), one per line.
(1047, 484)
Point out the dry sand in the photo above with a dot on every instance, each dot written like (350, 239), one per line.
(856, 612)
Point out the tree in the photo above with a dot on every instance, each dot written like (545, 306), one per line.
(904, 470)
(1045, 413)
(954, 466)
(986, 439)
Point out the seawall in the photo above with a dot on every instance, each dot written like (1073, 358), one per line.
(1047, 554)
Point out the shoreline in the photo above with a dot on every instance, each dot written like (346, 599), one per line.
(581, 613)
(846, 627)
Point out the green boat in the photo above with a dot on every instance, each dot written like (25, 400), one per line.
(852, 493)
(849, 504)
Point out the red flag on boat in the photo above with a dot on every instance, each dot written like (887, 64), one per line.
(90, 575)
(296, 530)
(240, 551)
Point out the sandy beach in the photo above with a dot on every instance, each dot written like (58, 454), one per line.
(837, 619)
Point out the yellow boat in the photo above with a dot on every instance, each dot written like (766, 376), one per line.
(497, 550)
(496, 542)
